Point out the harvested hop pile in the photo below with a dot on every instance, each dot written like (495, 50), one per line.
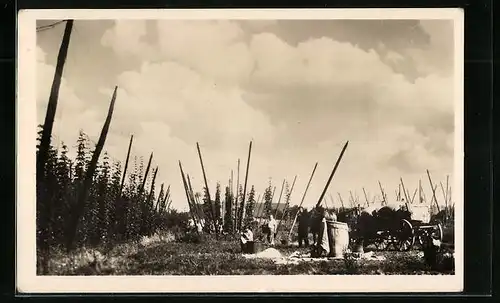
(270, 253)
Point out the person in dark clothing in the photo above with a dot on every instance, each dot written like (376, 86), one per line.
(316, 216)
(303, 227)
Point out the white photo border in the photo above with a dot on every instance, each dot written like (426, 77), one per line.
(28, 282)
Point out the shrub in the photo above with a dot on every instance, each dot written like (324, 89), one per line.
(350, 263)
(190, 237)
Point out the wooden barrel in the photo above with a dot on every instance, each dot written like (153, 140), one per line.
(338, 237)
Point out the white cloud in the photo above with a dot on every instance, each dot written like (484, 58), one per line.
(437, 57)
(213, 83)
(394, 57)
(213, 48)
(71, 114)
(257, 25)
(125, 38)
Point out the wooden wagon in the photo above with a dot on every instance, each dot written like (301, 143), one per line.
(424, 230)
(394, 227)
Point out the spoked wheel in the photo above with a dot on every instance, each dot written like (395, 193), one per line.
(406, 236)
(438, 232)
(381, 242)
(425, 235)
(422, 238)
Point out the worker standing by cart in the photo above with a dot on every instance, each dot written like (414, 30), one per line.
(303, 232)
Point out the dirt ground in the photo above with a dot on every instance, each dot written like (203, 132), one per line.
(223, 257)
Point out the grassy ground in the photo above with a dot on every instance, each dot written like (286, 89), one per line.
(165, 256)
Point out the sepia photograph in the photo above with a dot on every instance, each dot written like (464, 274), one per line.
(240, 150)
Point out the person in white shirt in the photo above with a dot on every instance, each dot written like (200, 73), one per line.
(272, 225)
(190, 223)
(246, 239)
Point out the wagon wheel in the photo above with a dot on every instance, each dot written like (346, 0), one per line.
(406, 236)
(381, 242)
(421, 237)
(438, 232)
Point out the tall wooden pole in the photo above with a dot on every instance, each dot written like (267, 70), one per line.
(331, 175)
(237, 198)
(326, 203)
(285, 209)
(331, 200)
(245, 186)
(404, 191)
(353, 202)
(143, 184)
(163, 205)
(52, 104)
(44, 204)
(366, 197)
(279, 199)
(214, 220)
(341, 201)
(150, 196)
(414, 193)
(419, 191)
(158, 201)
(126, 165)
(231, 192)
(303, 197)
(83, 195)
(384, 200)
(196, 206)
(445, 201)
(399, 191)
(188, 198)
(433, 190)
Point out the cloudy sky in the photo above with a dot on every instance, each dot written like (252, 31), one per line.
(298, 89)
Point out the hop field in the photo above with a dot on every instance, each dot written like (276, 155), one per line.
(164, 256)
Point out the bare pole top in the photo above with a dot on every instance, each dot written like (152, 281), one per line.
(331, 175)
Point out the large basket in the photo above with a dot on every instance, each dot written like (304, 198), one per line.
(338, 237)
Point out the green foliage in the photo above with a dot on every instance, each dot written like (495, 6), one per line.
(239, 216)
(218, 204)
(249, 208)
(207, 212)
(351, 263)
(268, 196)
(108, 216)
(228, 217)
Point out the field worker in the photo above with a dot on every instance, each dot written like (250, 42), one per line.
(245, 239)
(272, 225)
(199, 227)
(191, 223)
(324, 245)
(303, 227)
(321, 246)
(317, 215)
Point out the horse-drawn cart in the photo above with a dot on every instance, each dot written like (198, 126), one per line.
(424, 229)
(394, 227)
